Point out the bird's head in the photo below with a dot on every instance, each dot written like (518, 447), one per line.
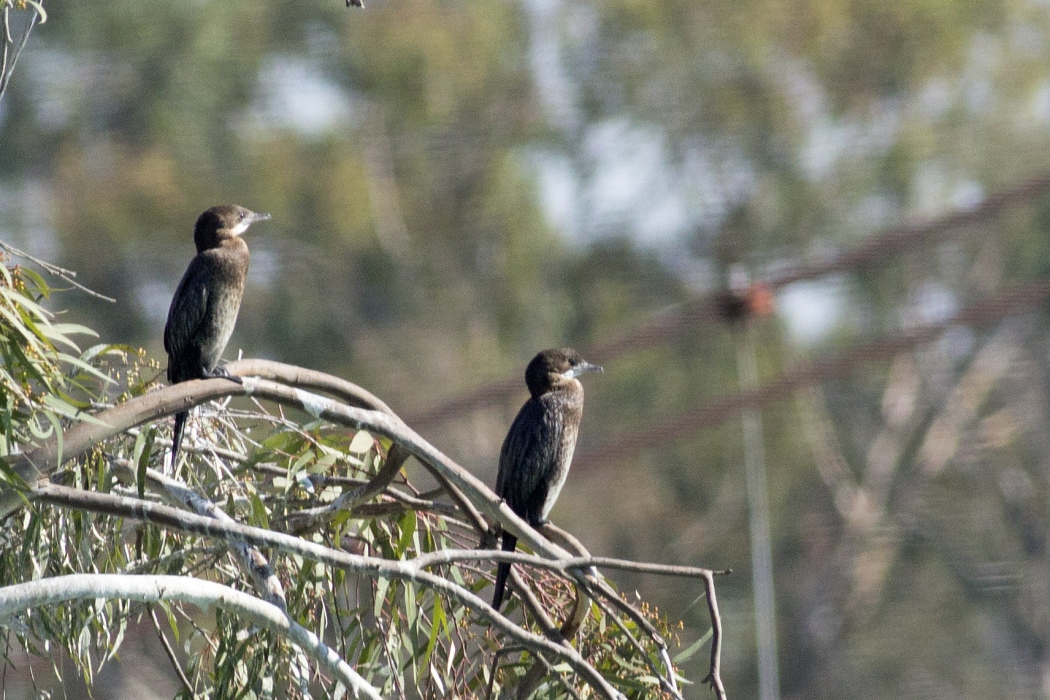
(223, 222)
(552, 368)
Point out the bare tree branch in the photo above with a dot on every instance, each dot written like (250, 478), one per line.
(714, 676)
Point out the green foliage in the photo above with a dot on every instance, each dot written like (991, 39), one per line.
(44, 376)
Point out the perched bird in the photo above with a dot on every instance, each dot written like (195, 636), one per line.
(537, 451)
(204, 309)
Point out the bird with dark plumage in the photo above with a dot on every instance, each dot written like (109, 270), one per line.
(536, 454)
(204, 309)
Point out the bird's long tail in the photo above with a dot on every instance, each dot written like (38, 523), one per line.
(503, 570)
(176, 436)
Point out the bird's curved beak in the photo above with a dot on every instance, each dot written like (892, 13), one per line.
(584, 367)
(259, 217)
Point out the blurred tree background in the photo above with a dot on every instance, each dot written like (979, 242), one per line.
(456, 185)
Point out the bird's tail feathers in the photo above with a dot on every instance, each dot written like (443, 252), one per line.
(176, 436)
(510, 542)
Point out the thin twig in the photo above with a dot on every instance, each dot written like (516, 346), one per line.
(225, 453)
(532, 679)
(714, 676)
(573, 621)
(451, 556)
(302, 521)
(370, 511)
(8, 67)
(60, 272)
(541, 667)
(505, 650)
(305, 521)
(171, 655)
(384, 632)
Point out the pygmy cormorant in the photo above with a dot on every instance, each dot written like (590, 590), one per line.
(537, 451)
(204, 309)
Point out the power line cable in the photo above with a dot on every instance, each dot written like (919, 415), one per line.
(989, 311)
(711, 307)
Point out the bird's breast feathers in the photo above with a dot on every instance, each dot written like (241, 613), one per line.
(562, 463)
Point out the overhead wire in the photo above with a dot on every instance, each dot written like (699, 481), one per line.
(710, 308)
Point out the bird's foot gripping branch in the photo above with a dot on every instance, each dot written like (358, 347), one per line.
(311, 531)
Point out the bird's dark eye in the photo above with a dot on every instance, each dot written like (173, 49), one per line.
(573, 362)
(240, 215)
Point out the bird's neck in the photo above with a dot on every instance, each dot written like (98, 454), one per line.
(231, 256)
(234, 247)
(568, 392)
